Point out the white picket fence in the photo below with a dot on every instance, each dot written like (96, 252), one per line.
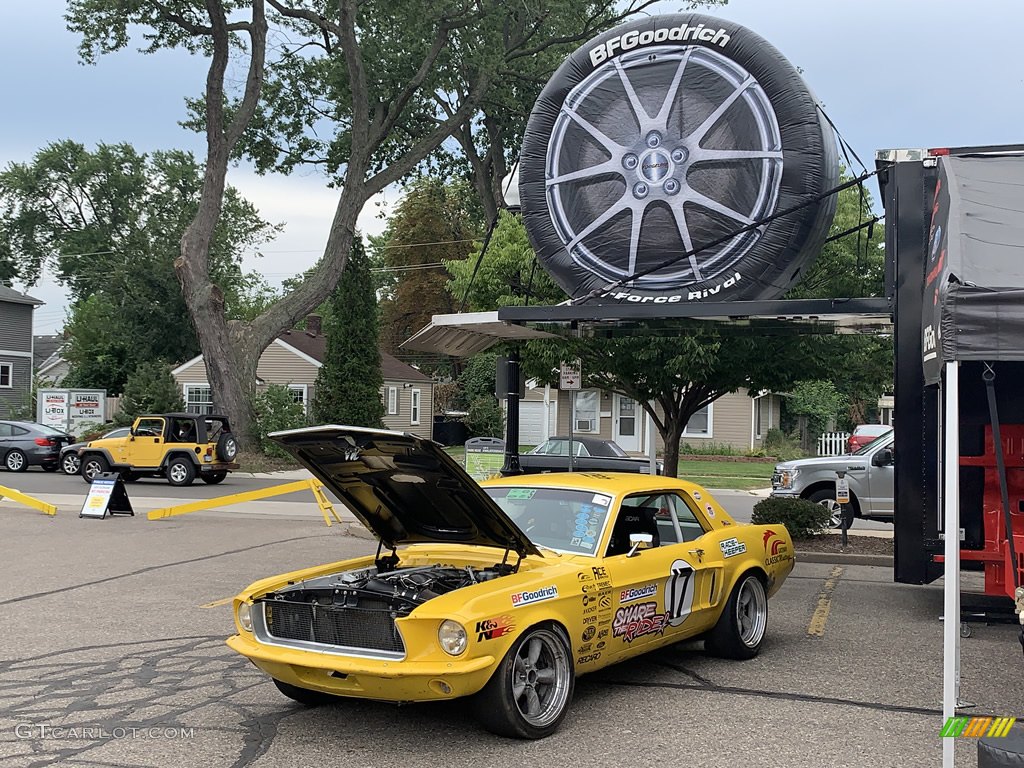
(832, 443)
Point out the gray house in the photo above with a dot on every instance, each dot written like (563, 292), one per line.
(15, 350)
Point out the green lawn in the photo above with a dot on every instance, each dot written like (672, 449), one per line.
(737, 475)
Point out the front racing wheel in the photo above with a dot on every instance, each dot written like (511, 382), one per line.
(529, 692)
(740, 629)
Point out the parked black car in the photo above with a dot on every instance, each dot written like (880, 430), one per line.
(589, 454)
(25, 444)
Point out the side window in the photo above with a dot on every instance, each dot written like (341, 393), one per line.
(18, 431)
(6, 430)
(149, 427)
(689, 523)
(663, 508)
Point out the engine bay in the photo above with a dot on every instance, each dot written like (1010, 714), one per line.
(403, 589)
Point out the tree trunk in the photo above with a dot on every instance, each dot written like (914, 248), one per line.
(671, 434)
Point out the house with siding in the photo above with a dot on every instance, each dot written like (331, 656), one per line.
(16, 369)
(48, 358)
(294, 359)
(740, 420)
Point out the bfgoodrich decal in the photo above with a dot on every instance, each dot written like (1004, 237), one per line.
(637, 593)
(535, 596)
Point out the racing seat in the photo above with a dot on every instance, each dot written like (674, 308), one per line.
(633, 520)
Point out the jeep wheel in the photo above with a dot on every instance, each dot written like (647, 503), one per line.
(180, 472)
(16, 461)
(71, 464)
(212, 478)
(227, 447)
(92, 466)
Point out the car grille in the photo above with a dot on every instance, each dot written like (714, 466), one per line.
(369, 626)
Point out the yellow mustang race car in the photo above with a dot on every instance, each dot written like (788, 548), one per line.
(507, 590)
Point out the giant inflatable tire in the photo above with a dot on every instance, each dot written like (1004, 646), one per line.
(666, 134)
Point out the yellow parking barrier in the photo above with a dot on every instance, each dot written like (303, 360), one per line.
(312, 484)
(28, 501)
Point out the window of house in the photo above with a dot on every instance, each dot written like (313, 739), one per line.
(299, 395)
(585, 411)
(392, 401)
(414, 417)
(198, 398)
(699, 424)
(6, 375)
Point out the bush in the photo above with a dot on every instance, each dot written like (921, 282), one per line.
(802, 518)
(484, 419)
(276, 410)
(784, 447)
(708, 449)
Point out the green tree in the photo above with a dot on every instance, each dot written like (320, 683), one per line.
(348, 385)
(276, 410)
(860, 366)
(509, 274)
(477, 385)
(365, 89)
(433, 224)
(151, 389)
(108, 223)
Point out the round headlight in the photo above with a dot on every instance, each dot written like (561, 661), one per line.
(245, 616)
(452, 637)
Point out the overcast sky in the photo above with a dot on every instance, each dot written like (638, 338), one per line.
(892, 73)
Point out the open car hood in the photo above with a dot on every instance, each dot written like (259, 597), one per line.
(404, 489)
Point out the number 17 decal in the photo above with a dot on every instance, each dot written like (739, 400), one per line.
(679, 593)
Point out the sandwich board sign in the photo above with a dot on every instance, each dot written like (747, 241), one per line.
(107, 494)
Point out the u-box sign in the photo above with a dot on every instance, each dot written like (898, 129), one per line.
(71, 409)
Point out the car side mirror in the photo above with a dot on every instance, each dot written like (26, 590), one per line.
(638, 541)
(883, 458)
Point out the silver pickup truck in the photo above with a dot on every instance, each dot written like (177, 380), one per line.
(869, 471)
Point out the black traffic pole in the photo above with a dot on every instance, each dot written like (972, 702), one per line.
(511, 466)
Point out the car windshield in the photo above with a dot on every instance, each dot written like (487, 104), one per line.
(873, 444)
(557, 518)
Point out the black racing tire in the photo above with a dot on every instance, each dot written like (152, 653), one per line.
(227, 447)
(1005, 751)
(15, 461)
(70, 463)
(212, 478)
(550, 677)
(92, 465)
(827, 498)
(304, 695)
(180, 471)
(741, 628)
(736, 136)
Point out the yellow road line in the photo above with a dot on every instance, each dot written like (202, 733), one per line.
(816, 628)
(216, 603)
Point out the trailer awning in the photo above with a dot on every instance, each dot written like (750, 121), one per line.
(467, 333)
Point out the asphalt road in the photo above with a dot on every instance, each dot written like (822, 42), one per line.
(112, 630)
(739, 504)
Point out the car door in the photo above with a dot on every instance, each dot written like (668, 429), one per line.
(6, 439)
(145, 448)
(881, 486)
(653, 590)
